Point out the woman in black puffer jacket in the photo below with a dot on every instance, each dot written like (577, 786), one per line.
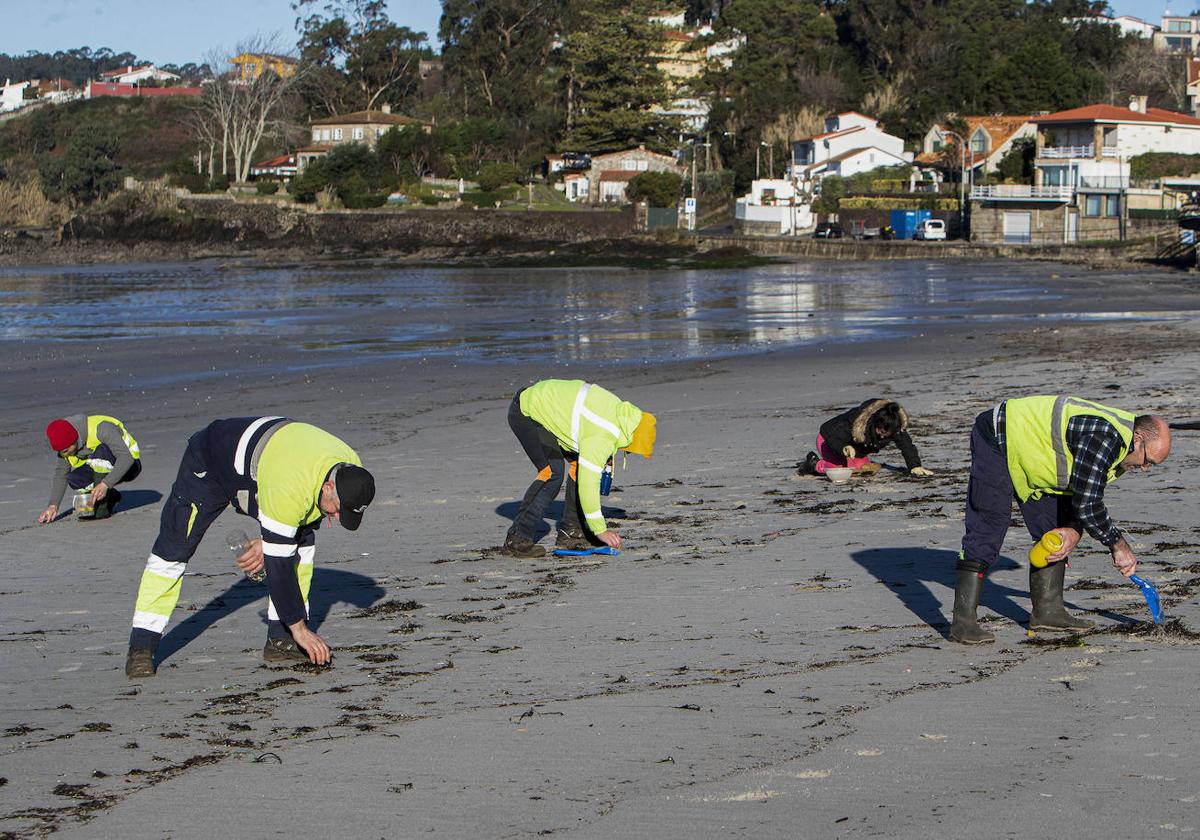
(850, 438)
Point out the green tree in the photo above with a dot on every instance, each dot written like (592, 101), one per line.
(87, 171)
(658, 189)
(833, 189)
(410, 151)
(1017, 163)
(501, 58)
(359, 58)
(493, 176)
(611, 78)
(789, 61)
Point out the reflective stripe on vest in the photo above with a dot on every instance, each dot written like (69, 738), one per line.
(92, 441)
(1062, 459)
(581, 412)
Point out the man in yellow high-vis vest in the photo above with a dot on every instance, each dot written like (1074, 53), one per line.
(1056, 455)
(96, 452)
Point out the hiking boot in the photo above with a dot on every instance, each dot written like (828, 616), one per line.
(1046, 592)
(283, 650)
(524, 548)
(572, 540)
(964, 629)
(106, 505)
(809, 465)
(139, 663)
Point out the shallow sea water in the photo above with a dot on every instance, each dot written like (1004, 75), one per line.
(593, 314)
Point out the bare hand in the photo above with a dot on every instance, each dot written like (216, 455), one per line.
(251, 560)
(848, 451)
(921, 471)
(48, 515)
(99, 492)
(1124, 558)
(610, 538)
(1070, 538)
(312, 644)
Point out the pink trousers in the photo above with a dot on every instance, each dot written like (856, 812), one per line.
(830, 457)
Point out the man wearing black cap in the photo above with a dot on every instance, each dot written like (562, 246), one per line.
(285, 474)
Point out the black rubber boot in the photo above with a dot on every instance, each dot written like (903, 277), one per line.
(964, 629)
(1046, 592)
(809, 465)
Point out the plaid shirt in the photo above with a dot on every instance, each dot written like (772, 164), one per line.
(1096, 445)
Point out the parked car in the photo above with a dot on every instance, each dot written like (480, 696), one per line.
(828, 230)
(931, 229)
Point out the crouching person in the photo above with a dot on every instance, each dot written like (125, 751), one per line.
(571, 428)
(285, 474)
(95, 454)
(849, 439)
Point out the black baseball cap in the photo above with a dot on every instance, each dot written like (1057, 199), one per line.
(355, 490)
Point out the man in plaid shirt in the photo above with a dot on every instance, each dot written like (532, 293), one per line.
(1056, 454)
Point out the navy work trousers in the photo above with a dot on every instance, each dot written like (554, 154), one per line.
(990, 495)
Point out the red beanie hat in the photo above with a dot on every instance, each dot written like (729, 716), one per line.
(61, 434)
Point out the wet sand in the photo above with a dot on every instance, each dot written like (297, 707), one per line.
(766, 658)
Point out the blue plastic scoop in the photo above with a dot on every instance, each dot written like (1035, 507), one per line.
(1151, 596)
(583, 552)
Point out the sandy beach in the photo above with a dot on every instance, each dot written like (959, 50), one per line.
(766, 658)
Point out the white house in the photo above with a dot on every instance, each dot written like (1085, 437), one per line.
(773, 207)
(131, 75)
(12, 95)
(1127, 24)
(851, 143)
(575, 186)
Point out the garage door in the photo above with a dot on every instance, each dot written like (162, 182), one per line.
(1017, 227)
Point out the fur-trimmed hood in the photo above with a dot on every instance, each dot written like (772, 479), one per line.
(866, 414)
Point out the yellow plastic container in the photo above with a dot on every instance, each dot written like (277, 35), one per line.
(1050, 542)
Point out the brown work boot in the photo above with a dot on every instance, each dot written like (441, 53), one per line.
(139, 663)
(523, 548)
(283, 650)
(572, 540)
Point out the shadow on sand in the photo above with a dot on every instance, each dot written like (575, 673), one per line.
(909, 571)
(329, 587)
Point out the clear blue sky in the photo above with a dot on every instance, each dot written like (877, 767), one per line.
(167, 31)
(178, 31)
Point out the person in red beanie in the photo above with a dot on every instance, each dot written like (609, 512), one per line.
(95, 452)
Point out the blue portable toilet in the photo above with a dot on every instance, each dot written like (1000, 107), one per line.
(905, 222)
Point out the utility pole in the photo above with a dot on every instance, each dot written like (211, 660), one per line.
(962, 182)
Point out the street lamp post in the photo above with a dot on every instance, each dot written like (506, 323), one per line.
(962, 180)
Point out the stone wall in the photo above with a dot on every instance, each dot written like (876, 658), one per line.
(265, 225)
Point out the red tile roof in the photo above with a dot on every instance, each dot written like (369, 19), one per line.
(1115, 113)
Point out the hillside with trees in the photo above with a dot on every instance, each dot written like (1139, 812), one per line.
(518, 79)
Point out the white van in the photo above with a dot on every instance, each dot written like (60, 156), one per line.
(931, 229)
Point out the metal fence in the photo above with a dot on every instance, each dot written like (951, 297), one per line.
(662, 218)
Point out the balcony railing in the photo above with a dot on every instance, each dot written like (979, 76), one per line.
(1088, 151)
(1068, 151)
(1103, 182)
(1021, 192)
